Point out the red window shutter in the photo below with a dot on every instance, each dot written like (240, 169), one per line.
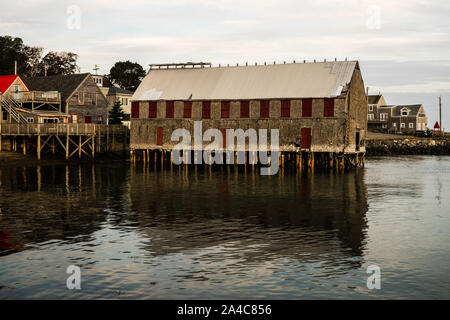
(169, 109)
(87, 119)
(225, 109)
(152, 109)
(159, 136)
(264, 109)
(328, 107)
(285, 108)
(224, 137)
(307, 108)
(187, 112)
(135, 109)
(245, 109)
(206, 110)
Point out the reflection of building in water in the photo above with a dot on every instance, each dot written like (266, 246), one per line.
(291, 216)
(57, 202)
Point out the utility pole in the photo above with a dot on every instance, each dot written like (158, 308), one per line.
(440, 115)
(15, 67)
(96, 68)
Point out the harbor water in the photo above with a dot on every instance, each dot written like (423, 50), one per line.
(137, 232)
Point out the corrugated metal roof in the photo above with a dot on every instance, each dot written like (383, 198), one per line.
(294, 80)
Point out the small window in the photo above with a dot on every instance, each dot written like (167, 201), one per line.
(99, 119)
(264, 109)
(169, 109)
(384, 125)
(307, 108)
(152, 109)
(225, 109)
(135, 109)
(370, 107)
(395, 125)
(402, 125)
(285, 108)
(411, 125)
(30, 120)
(383, 116)
(404, 113)
(4, 115)
(206, 110)
(328, 107)
(74, 118)
(370, 116)
(187, 112)
(245, 109)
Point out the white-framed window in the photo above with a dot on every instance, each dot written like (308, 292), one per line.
(384, 125)
(383, 116)
(411, 125)
(370, 107)
(402, 125)
(404, 112)
(370, 116)
(74, 118)
(395, 125)
(30, 120)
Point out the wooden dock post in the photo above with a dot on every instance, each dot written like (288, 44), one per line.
(79, 147)
(39, 147)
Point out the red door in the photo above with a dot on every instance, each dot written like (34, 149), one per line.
(159, 136)
(87, 119)
(305, 142)
(224, 137)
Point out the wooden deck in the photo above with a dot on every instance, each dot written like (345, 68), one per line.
(67, 139)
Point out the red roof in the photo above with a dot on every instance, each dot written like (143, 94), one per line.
(437, 126)
(7, 81)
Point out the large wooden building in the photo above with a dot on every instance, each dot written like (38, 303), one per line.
(317, 107)
(81, 97)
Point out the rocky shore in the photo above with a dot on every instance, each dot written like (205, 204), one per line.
(411, 146)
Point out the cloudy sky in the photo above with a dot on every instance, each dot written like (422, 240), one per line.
(403, 46)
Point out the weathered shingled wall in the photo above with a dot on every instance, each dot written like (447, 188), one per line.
(357, 112)
(327, 132)
(95, 103)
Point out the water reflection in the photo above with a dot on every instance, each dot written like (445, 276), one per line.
(213, 227)
(302, 217)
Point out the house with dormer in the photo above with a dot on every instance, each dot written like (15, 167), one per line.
(394, 118)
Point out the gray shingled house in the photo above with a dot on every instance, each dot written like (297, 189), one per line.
(80, 96)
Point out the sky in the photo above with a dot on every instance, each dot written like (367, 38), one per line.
(403, 46)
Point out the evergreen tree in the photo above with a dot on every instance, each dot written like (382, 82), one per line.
(116, 114)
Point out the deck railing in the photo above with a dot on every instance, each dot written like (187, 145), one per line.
(61, 129)
(36, 96)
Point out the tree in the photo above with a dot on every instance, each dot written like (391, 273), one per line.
(59, 63)
(30, 61)
(128, 75)
(33, 61)
(12, 49)
(116, 114)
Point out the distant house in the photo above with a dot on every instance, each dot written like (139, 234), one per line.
(406, 118)
(375, 120)
(114, 93)
(11, 85)
(20, 105)
(81, 97)
(394, 118)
